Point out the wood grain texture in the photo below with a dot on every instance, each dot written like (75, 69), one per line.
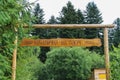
(14, 58)
(106, 52)
(61, 42)
(70, 26)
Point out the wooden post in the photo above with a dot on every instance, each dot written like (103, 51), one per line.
(106, 52)
(14, 58)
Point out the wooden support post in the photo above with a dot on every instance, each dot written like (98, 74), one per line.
(14, 58)
(106, 52)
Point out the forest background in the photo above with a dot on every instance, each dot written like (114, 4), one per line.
(49, 63)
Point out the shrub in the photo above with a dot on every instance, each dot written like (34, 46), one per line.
(115, 64)
(71, 63)
(28, 65)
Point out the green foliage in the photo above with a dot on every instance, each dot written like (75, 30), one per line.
(28, 65)
(69, 15)
(13, 14)
(116, 32)
(6, 50)
(115, 64)
(39, 19)
(72, 63)
(80, 17)
(53, 33)
(41, 33)
(38, 14)
(5, 68)
(114, 35)
(52, 20)
(92, 16)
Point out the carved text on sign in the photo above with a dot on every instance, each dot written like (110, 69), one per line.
(61, 42)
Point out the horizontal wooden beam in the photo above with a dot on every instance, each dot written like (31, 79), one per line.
(71, 26)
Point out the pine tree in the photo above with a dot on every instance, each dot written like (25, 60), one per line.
(92, 16)
(52, 20)
(41, 33)
(80, 20)
(69, 15)
(49, 33)
(80, 17)
(53, 33)
(38, 14)
(114, 35)
(116, 38)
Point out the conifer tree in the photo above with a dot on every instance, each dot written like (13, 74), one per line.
(53, 33)
(116, 32)
(80, 33)
(69, 15)
(52, 20)
(41, 33)
(80, 17)
(38, 14)
(92, 16)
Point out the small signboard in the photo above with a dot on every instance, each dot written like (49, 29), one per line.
(99, 74)
(61, 42)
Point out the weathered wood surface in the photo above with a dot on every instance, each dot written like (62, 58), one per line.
(106, 52)
(61, 42)
(14, 58)
(71, 26)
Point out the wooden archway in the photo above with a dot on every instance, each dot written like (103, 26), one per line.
(106, 46)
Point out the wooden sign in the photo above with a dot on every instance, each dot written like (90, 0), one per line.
(99, 74)
(61, 42)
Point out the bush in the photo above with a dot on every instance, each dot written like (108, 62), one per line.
(28, 65)
(5, 68)
(115, 64)
(71, 63)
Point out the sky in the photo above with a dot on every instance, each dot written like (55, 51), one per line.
(109, 8)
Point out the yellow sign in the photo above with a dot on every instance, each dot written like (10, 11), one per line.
(61, 42)
(102, 76)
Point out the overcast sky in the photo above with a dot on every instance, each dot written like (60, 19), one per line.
(109, 8)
